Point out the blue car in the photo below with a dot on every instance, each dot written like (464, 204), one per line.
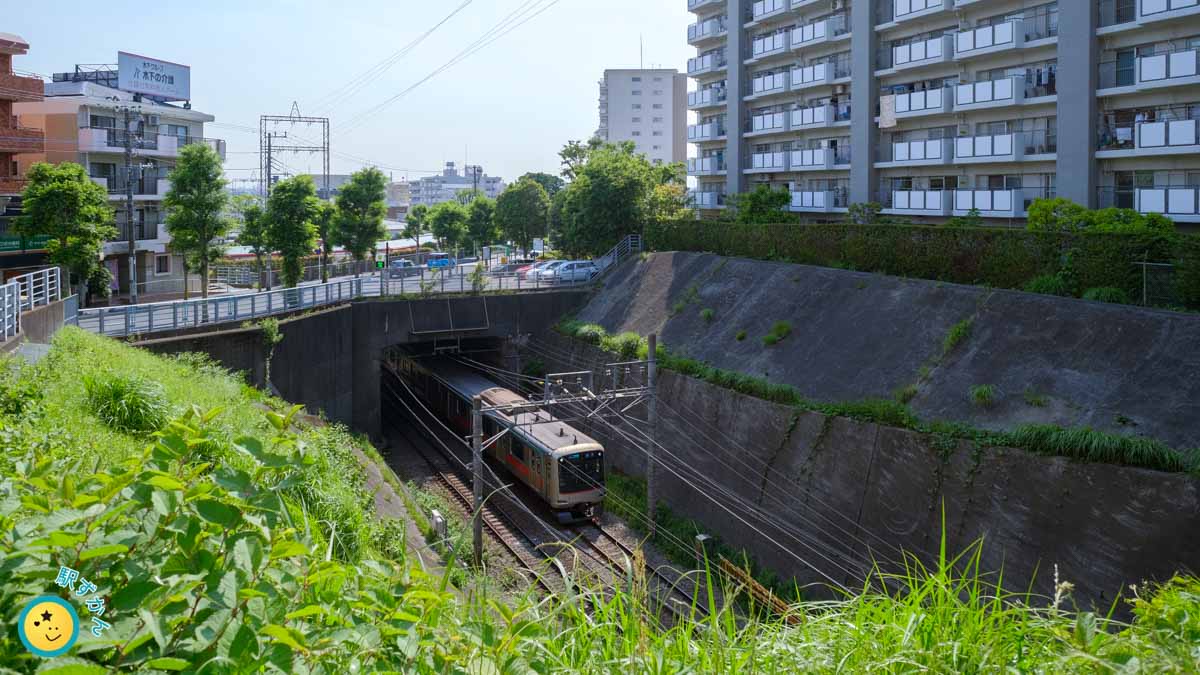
(440, 261)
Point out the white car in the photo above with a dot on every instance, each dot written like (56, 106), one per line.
(531, 273)
(547, 272)
(577, 271)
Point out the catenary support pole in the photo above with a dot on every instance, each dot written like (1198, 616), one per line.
(651, 421)
(477, 470)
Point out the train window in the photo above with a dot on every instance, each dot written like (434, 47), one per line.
(581, 471)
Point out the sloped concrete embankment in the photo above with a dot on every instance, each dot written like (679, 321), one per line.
(840, 494)
(856, 335)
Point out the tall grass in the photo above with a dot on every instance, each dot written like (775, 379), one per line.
(127, 403)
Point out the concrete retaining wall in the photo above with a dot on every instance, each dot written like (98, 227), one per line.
(855, 335)
(842, 493)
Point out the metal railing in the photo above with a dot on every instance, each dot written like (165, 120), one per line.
(1113, 12)
(39, 288)
(161, 317)
(10, 310)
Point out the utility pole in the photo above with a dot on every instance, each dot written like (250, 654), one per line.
(270, 175)
(477, 468)
(129, 205)
(651, 423)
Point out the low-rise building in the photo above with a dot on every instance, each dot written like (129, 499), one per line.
(16, 140)
(446, 186)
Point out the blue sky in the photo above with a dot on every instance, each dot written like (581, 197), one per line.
(510, 106)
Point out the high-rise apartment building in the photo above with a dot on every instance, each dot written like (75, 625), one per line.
(934, 108)
(647, 107)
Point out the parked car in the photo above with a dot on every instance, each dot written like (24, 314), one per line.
(440, 261)
(576, 271)
(400, 268)
(545, 274)
(530, 273)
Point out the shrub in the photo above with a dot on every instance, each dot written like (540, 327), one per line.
(1049, 284)
(741, 335)
(983, 395)
(779, 331)
(708, 315)
(1057, 215)
(590, 333)
(957, 333)
(864, 213)
(1035, 399)
(1107, 294)
(126, 403)
(625, 344)
(906, 394)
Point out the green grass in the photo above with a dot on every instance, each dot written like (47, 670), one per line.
(1049, 284)
(983, 395)
(957, 334)
(707, 315)
(906, 394)
(1107, 294)
(780, 330)
(1035, 400)
(127, 404)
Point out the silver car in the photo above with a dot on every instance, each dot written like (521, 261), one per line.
(576, 271)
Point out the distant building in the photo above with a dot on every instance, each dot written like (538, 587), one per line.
(399, 198)
(16, 140)
(447, 186)
(648, 107)
(86, 119)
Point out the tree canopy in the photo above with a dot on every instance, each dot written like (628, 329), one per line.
(290, 211)
(195, 204)
(481, 225)
(522, 212)
(448, 222)
(616, 190)
(551, 184)
(414, 222)
(361, 207)
(1063, 215)
(254, 230)
(61, 202)
(325, 220)
(575, 154)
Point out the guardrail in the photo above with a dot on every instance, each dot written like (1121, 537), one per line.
(161, 317)
(10, 310)
(25, 292)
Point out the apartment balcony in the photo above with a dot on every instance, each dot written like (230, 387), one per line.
(989, 203)
(820, 159)
(989, 149)
(1163, 10)
(917, 202)
(806, 77)
(704, 65)
(767, 85)
(932, 152)
(703, 5)
(818, 201)
(151, 237)
(1002, 93)
(908, 10)
(97, 139)
(767, 162)
(1168, 70)
(820, 117)
(767, 46)
(820, 32)
(924, 53)
(1181, 204)
(21, 139)
(18, 88)
(707, 30)
(147, 189)
(707, 200)
(709, 131)
(706, 98)
(1174, 137)
(768, 123)
(923, 103)
(989, 40)
(763, 10)
(706, 166)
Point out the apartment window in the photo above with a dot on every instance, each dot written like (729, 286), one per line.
(102, 170)
(657, 147)
(637, 92)
(162, 265)
(177, 130)
(637, 120)
(103, 122)
(658, 79)
(657, 133)
(657, 119)
(658, 106)
(637, 79)
(658, 92)
(657, 162)
(637, 133)
(637, 106)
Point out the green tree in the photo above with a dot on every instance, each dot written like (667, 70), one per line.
(612, 195)
(762, 205)
(556, 219)
(253, 232)
(481, 224)
(290, 230)
(522, 212)
(551, 184)
(465, 197)
(448, 222)
(195, 206)
(575, 154)
(361, 208)
(62, 203)
(415, 223)
(1057, 215)
(325, 219)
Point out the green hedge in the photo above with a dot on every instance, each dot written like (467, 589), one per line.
(997, 257)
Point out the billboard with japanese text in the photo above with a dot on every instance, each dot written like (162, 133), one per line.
(160, 79)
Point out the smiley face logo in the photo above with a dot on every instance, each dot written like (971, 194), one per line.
(48, 626)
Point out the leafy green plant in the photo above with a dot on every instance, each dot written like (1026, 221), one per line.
(906, 394)
(958, 333)
(1035, 399)
(741, 335)
(983, 395)
(1049, 284)
(707, 314)
(591, 333)
(1097, 446)
(780, 330)
(127, 403)
(678, 307)
(478, 278)
(1107, 294)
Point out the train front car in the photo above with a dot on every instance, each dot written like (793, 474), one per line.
(575, 485)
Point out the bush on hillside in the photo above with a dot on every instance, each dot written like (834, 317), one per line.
(1049, 284)
(1107, 294)
(127, 403)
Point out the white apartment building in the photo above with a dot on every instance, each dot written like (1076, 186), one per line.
(84, 122)
(446, 186)
(934, 108)
(648, 107)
